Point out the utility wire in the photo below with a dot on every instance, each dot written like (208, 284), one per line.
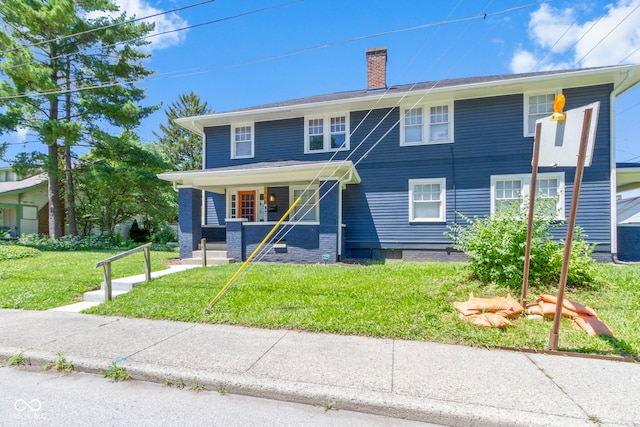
(227, 18)
(292, 53)
(609, 33)
(57, 39)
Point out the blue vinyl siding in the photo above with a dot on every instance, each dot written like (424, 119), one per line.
(488, 140)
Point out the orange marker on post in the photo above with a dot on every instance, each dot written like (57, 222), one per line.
(558, 106)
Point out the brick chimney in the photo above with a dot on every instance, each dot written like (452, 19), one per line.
(376, 68)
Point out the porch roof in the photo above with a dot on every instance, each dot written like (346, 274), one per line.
(627, 176)
(9, 188)
(264, 174)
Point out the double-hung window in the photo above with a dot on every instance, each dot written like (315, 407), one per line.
(537, 106)
(505, 189)
(307, 209)
(428, 124)
(427, 200)
(242, 141)
(330, 133)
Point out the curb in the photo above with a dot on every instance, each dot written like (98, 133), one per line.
(393, 405)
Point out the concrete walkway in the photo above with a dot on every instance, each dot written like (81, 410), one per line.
(118, 287)
(443, 384)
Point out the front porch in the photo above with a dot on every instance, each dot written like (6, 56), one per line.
(240, 206)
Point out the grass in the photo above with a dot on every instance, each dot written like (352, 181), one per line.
(60, 365)
(57, 278)
(397, 300)
(116, 373)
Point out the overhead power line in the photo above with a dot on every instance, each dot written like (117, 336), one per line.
(215, 21)
(57, 39)
(292, 53)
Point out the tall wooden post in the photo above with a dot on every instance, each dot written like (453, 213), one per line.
(532, 201)
(553, 338)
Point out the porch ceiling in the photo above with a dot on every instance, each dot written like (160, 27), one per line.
(264, 174)
(627, 178)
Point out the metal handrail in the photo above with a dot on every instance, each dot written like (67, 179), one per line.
(107, 267)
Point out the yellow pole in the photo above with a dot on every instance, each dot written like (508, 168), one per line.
(244, 264)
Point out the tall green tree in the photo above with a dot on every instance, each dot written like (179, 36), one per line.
(117, 181)
(181, 147)
(69, 71)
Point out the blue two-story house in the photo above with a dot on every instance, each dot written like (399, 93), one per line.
(381, 172)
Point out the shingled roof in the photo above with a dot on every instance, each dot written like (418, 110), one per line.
(404, 88)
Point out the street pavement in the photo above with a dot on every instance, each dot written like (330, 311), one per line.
(423, 381)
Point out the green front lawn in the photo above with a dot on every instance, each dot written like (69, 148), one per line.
(57, 278)
(396, 300)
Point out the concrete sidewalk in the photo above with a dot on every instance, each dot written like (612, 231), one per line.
(437, 383)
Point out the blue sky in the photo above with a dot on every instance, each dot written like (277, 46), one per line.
(253, 59)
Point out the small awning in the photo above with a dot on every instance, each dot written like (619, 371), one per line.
(627, 176)
(264, 174)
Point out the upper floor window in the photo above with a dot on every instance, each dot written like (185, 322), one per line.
(329, 133)
(242, 141)
(427, 200)
(505, 189)
(431, 124)
(537, 106)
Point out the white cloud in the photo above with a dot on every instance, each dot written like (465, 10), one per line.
(21, 134)
(562, 41)
(164, 23)
(523, 61)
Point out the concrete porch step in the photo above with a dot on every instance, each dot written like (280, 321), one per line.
(214, 246)
(210, 254)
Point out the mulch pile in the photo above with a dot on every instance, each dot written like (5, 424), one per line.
(496, 312)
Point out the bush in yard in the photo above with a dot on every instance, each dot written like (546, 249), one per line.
(137, 234)
(495, 246)
(17, 252)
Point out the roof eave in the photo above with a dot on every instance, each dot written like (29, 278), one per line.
(218, 180)
(623, 77)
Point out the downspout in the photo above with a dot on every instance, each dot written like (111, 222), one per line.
(613, 226)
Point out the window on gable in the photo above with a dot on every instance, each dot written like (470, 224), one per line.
(537, 107)
(427, 125)
(242, 142)
(427, 200)
(505, 189)
(327, 134)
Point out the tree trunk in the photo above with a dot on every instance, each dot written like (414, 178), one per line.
(71, 202)
(55, 223)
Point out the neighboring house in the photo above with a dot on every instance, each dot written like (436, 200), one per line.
(383, 171)
(23, 203)
(629, 229)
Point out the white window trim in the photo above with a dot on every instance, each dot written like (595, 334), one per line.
(326, 133)
(426, 123)
(233, 140)
(260, 209)
(316, 207)
(525, 109)
(443, 199)
(526, 185)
